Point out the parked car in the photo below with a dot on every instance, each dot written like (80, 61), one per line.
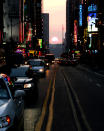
(11, 106)
(25, 79)
(38, 66)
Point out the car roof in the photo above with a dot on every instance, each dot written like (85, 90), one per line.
(36, 60)
(23, 66)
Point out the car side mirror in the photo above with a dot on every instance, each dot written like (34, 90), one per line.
(19, 93)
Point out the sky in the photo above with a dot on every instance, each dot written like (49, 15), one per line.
(57, 19)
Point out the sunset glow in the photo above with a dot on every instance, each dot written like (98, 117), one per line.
(55, 40)
(57, 18)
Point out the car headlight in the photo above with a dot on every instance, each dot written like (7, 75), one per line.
(4, 121)
(27, 85)
(41, 70)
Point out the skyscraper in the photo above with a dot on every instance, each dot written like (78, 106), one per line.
(1, 20)
(69, 24)
(45, 21)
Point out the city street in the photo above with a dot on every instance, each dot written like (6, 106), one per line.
(70, 98)
(51, 65)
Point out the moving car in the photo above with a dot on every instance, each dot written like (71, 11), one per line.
(25, 79)
(47, 64)
(11, 106)
(50, 58)
(38, 66)
(65, 62)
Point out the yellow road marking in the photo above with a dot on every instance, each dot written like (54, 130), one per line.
(40, 122)
(50, 117)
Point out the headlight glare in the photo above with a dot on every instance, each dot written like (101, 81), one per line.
(27, 85)
(41, 70)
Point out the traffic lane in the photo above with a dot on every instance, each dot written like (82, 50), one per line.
(56, 111)
(90, 92)
(63, 119)
(33, 110)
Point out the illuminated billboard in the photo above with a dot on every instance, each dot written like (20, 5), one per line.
(80, 15)
(92, 8)
(40, 43)
(75, 32)
(91, 22)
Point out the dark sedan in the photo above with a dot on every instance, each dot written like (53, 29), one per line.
(25, 79)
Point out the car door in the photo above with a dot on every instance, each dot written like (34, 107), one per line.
(18, 102)
(19, 105)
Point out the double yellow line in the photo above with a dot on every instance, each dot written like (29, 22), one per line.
(44, 109)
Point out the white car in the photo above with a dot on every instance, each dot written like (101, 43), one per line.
(11, 105)
(38, 66)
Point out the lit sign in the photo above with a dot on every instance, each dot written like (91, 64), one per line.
(80, 15)
(91, 22)
(40, 42)
(75, 32)
(92, 8)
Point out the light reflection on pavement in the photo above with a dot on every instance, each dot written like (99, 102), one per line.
(30, 118)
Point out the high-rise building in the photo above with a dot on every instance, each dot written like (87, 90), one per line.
(28, 22)
(37, 23)
(13, 19)
(69, 24)
(45, 22)
(1, 20)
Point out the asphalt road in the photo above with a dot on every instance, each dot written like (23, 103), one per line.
(70, 98)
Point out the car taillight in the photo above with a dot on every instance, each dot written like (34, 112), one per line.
(30, 67)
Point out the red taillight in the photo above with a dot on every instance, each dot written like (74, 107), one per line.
(30, 67)
(8, 119)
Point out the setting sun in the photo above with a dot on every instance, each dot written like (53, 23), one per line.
(55, 39)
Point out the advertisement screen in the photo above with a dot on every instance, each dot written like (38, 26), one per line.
(40, 42)
(75, 32)
(91, 22)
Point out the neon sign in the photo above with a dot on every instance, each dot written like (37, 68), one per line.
(91, 22)
(92, 8)
(75, 32)
(80, 15)
(40, 42)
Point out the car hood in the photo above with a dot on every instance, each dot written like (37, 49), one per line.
(23, 80)
(37, 67)
(6, 106)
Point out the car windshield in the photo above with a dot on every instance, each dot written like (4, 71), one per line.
(36, 63)
(4, 94)
(19, 72)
